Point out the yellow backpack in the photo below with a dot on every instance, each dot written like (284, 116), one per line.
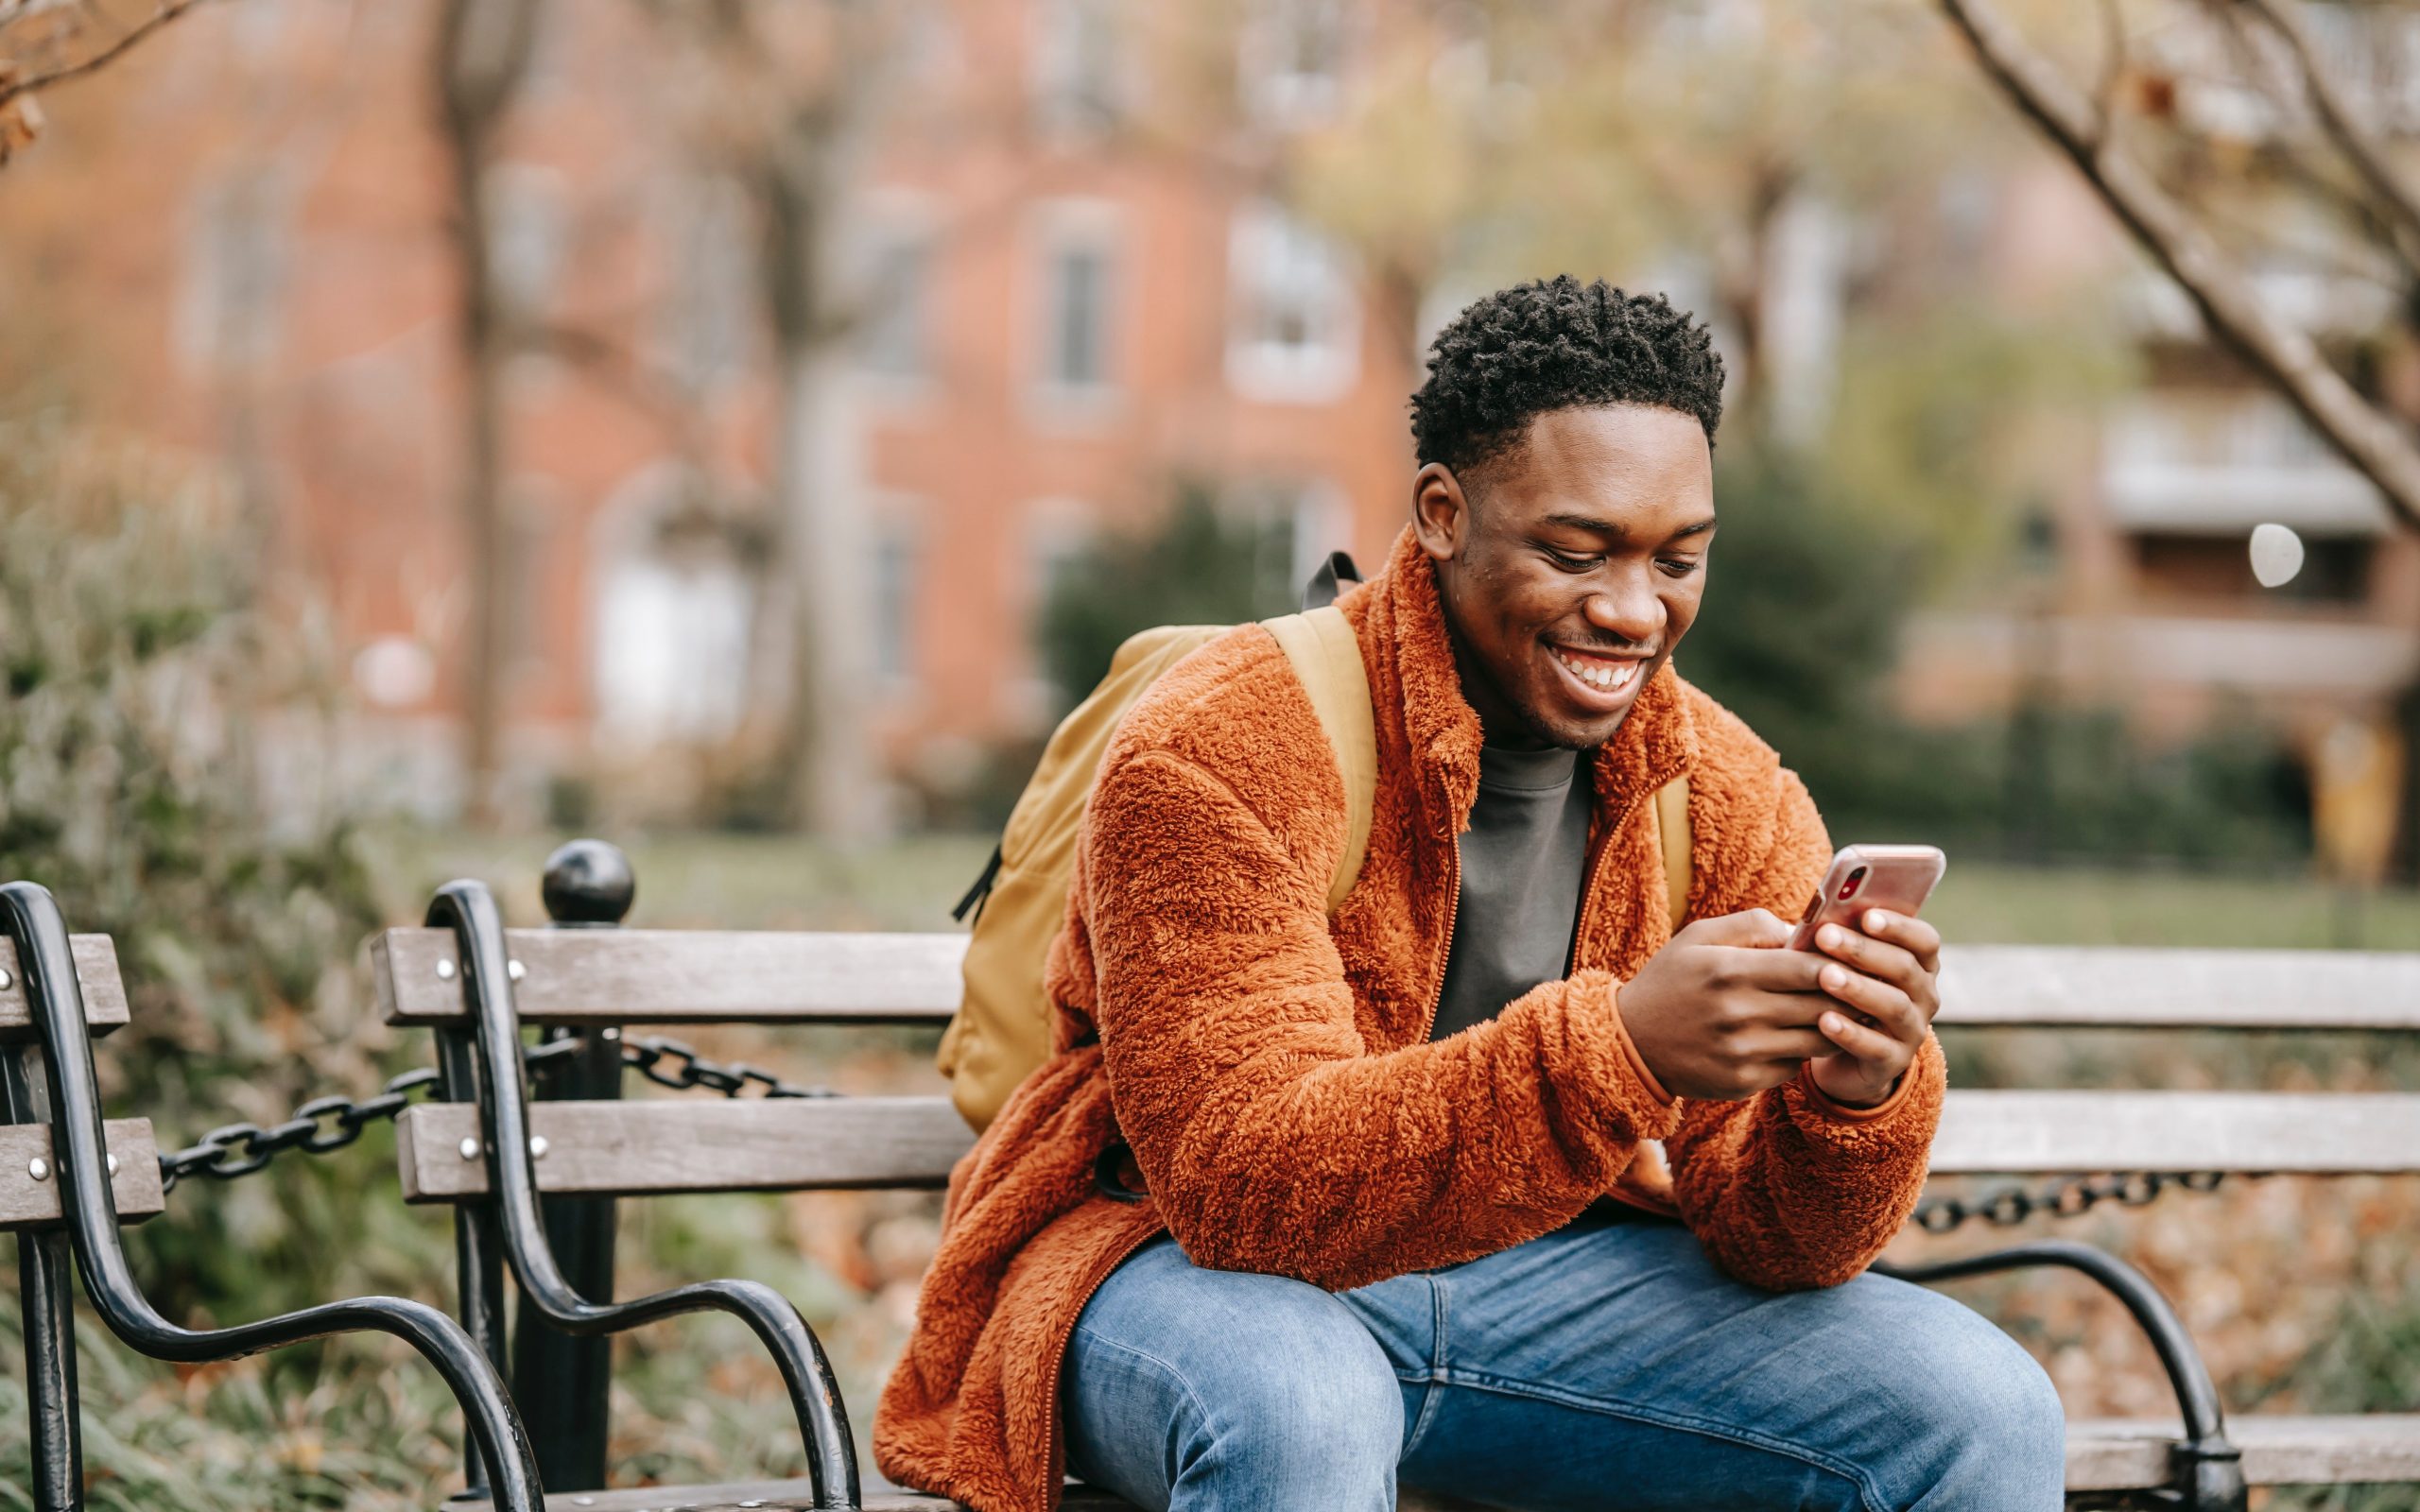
(1002, 1028)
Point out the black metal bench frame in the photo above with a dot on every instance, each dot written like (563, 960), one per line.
(64, 1093)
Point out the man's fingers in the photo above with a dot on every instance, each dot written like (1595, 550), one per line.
(1753, 929)
(1782, 1044)
(1914, 935)
(1873, 956)
(1893, 1010)
(1870, 1046)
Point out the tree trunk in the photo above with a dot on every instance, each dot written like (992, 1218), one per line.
(813, 638)
(482, 56)
(825, 558)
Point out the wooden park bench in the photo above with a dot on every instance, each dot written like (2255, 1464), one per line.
(548, 1170)
(532, 1145)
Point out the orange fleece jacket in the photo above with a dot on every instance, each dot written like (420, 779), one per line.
(1272, 1068)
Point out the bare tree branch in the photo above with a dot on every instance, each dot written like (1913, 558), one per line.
(167, 11)
(2353, 137)
(2374, 444)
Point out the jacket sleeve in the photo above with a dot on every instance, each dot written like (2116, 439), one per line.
(1269, 1137)
(1788, 1189)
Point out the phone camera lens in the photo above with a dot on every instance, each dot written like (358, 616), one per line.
(1856, 880)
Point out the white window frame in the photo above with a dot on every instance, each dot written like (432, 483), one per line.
(1061, 227)
(1273, 255)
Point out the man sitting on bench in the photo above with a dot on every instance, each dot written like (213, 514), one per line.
(1404, 1221)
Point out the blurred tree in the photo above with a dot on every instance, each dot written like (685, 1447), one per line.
(780, 98)
(2280, 133)
(45, 44)
(479, 62)
(1720, 145)
(2219, 148)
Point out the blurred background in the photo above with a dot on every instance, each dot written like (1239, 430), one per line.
(741, 428)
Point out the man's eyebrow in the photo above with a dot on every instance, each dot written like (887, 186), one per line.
(1595, 525)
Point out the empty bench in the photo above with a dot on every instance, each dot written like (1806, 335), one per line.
(551, 1164)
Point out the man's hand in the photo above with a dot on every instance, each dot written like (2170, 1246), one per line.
(1887, 970)
(1723, 1011)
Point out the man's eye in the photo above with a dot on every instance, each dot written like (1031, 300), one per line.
(1679, 566)
(1570, 563)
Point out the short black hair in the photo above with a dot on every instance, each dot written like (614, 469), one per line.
(1557, 344)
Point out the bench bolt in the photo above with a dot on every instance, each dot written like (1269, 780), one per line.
(113, 1161)
(536, 1146)
(469, 1148)
(6, 980)
(515, 970)
(38, 1168)
(445, 970)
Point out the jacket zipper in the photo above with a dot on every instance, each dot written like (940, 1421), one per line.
(1446, 947)
(1054, 1491)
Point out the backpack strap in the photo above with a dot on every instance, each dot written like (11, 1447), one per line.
(1328, 661)
(1672, 838)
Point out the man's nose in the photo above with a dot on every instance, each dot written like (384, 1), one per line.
(1628, 608)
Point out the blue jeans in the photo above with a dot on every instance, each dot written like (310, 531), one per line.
(1606, 1367)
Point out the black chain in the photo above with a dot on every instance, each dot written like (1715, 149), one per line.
(688, 1071)
(326, 1124)
(2066, 1197)
(318, 1127)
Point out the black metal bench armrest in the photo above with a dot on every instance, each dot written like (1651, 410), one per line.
(469, 910)
(2210, 1470)
(30, 918)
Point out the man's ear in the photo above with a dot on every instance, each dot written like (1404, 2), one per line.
(1441, 512)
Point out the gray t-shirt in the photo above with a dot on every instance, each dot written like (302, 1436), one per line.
(1522, 862)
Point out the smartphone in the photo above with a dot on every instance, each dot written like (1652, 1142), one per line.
(1898, 877)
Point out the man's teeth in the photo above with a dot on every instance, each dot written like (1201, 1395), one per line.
(1610, 676)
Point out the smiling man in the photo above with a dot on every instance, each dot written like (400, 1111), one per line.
(1403, 1218)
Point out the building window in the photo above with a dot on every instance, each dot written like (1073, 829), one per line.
(1079, 290)
(1294, 332)
(894, 342)
(894, 604)
(2183, 571)
(1292, 67)
(1078, 66)
(674, 608)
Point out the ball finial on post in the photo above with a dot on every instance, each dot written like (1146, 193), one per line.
(588, 882)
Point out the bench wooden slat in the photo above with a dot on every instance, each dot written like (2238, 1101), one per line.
(96, 972)
(659, 1145)
(2115, 1454)
(2104, 1454)
(2052, 1132)
(2117, 986)
(683, 977)
(697, 976)
(26, 1203)
(775, 1496)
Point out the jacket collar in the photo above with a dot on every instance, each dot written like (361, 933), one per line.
(1405, 627)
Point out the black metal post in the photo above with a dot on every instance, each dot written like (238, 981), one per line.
(43, 1266)
(563, 1381)
(478, 1258)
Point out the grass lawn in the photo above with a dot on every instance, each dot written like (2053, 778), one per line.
(772, 882)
